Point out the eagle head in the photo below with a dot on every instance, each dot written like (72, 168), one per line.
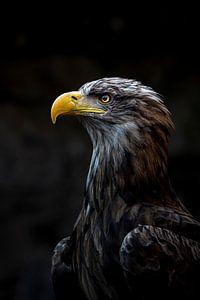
(123, 117)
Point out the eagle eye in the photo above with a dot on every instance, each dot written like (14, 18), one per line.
(104, 98)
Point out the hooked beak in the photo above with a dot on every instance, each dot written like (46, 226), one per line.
(72, 103)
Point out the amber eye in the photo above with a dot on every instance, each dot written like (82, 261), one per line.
(105, 98)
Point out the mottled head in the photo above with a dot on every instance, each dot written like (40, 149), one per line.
(124, 115)
(111, 105)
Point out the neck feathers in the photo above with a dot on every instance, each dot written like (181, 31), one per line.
(131, 161)
(127, 167)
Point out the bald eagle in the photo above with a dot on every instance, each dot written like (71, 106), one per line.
(134, 238)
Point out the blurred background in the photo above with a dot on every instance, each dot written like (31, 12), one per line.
(46, 51)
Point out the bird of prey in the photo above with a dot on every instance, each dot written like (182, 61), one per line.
(134, 238)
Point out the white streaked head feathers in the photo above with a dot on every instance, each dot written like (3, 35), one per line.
(118, 85)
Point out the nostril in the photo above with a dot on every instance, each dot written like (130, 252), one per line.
(74, 98)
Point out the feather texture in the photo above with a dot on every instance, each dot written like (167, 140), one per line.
(133, 234)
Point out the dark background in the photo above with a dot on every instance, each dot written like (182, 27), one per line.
(46, 51)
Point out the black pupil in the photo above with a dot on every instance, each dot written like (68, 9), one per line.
(105, 98)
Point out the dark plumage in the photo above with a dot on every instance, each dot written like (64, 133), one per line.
(134, 238)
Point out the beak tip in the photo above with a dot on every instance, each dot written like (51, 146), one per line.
(53, 118)
(64, 104)
(54, 114)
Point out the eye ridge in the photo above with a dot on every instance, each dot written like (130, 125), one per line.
(104, 98)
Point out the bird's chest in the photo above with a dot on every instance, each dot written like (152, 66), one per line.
(96, 258)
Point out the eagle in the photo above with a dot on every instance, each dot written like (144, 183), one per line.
(134, 238)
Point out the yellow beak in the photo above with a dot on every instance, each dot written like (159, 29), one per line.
(72, 103)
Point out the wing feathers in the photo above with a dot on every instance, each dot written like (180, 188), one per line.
(160, 256)
(65, 281)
